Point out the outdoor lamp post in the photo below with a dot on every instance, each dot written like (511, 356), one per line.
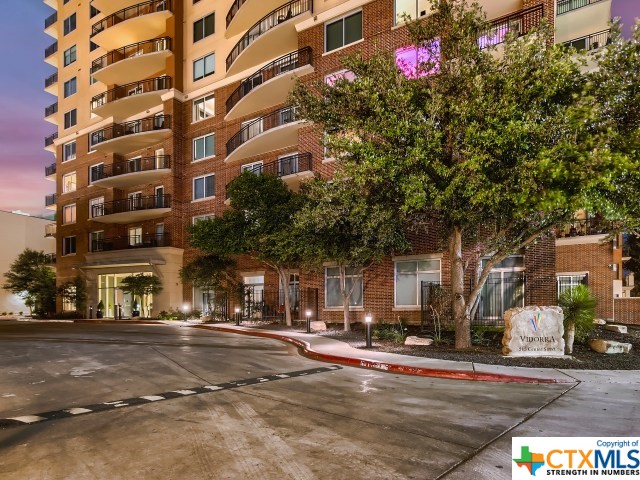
(308, 312)
(367, 321)
(237, 310)
(185, 309)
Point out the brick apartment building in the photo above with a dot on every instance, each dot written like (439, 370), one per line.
(161, 103)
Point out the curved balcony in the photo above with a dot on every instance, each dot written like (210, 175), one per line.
(123, 138)
(240, 19)
(107, 7)
(147, 240)
(49, 144)
(50, 230)
(276, 130)
(270, 85)
(50, 54)
(50, 25)
(132, 24)
(51, 84)
(273, 35)
(136, 171)
(134, 209)
(132, 62)
(126, 100)
(50, 201)
(50, 113)
(50, 172)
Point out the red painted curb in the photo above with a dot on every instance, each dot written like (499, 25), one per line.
(389, 367)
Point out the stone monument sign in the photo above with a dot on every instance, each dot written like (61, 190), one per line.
(533, 332)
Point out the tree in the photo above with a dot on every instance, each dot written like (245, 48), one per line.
(75, 292)
(141, 286)
(489, 150)
(32, 279)
(258, 224)
(210, 273)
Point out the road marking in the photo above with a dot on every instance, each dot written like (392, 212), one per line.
(129, 402)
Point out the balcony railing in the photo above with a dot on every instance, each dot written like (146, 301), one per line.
(50, 200)
(520, 22)
(51, 80)
(50, 20)
(130, 51)
(280, 66)
(131, 204)
(51, 49)
(50, 258)
(144, 164)
(235, 7)
(51, 109)
(590, 42)
(50, 230)
(262, 124)
(271, 20)
(588, 226)
(129, 13)
(48, 141)
(149, 240)
(565, 6)
(131, 89)
(50, 170)
(117, 130)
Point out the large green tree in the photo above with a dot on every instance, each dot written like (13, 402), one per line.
(31, 277)
(211, 273)
(489, 148)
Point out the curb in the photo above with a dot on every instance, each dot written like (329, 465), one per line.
(119, 322)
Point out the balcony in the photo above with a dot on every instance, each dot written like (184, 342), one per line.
(50, 201)
(50, 258)
(107, 7)
(131, 241)
(132, 24)
(134, 209)
(566, 6)
(240, 19)
(589, 42)
(50, 172)
(50, 54)
(125, 101)
(520, 22)
(52, 3)
(136, 171)
(49, 142)
(276, 130)
(585, 227)
(272, 36)
(123, 138)
(51, 84)
(50, 25)
(50, 230)
(132, 62)
(50, 113)
(270, 85)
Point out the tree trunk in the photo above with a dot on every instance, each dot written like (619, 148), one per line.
(461, 314)
(284, 273)
(346, 298)
(569, 336)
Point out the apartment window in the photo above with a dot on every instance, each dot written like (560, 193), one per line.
(135, 236)
(343, 32)
(202, 218)
(332, 78)
(96, 207)
(252, 127)
(204, 147)
(412, 8)
(69, 182)
(204, 107)
(204, 27)
(204, 187)
(69, 24)
(204, 66)
(409, 275)
(69, 151)
(69, 245)
(96, 172)
(69, 214)
(333, 295)
(412, 61)
(92, 46)
(93, 11)
(92, 80)
(70, 118)
(504, 288)
(69, 55)
(96, 241)
(571, 280)
(255, 168)
(70, 87)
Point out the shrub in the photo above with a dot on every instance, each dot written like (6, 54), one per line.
(387, 331)
(170, 315)
(578, 306)
(195, 314)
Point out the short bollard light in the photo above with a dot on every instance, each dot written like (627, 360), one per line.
(367, 320)
(308, 312)
(185, 310)
(90, 311)
(237, 310)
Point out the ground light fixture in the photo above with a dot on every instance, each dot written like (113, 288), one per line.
(237, 310)
(308, 312)
(367, 321)
(185, 310)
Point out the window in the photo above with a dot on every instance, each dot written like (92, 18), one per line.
(413, 61)
(93, 11)
(569, 281)
(409, 275)
(204, 66)
(69, 182)
(202, 218)
(204, 27)
(93, 46)
(69, 214)
(69, 55)
(160, 198)
(70, 87)
(68, 303)
(414, 8)
(96, 207)
(69, 151)
(69, 24)
(255, 167)
(504, 288)
(204, 108)
(96, 241)
(96, 172)
(70, 118)
(343, 32)
(69, 245)
(251, 128)
(204, 147)
(135, 236)
(204, 187)
(135, 201)
(333, 295)
(332, 78)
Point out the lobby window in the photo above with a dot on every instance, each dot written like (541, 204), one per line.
(204, 27)
(69, 214)
(343, 32)
(69, 151)
(69, 55)
(69, 24)
(204, 147)
(413, 8)
(205, 66)
(204, 187)
(69, 182)
(70, 118)
(409, 275)
(204, 107)
(69, 245)
(70, 87)
(353, 278)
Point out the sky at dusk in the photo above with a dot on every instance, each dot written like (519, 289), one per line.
(23, 99)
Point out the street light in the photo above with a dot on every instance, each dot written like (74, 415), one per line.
(308, 312)
(237, 310)
(185, 310)
(367, 320)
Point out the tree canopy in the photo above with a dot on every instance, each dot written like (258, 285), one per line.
(32, 279)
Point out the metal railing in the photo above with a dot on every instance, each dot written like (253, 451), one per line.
(50, 20)
(565, 6)
(254, 128)
(50, 200)
(131, 204)
(48, 141)
(117, 130)
(50, 170)
(129, 13)
(131, 89)
(51, 80)
(520, 22)
(235, 7)
(147, 240)
(51, 109)
(144, 164)
(590, 42)
(587, 226)
(130, 51)
(266, 23)
(50, 258)
(279, 66)
(51, 49)
(50, 230)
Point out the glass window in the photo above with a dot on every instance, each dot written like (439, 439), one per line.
(567, 282)
(96, 207)
(204, 187)
(413, 61)
(204, 66)
(92, 46)
(343, 32)
(204, 147)
(333, 295)
(69, 151)
(409, 276)
(96, 241)
(96, 172)
(70, 87)
(69, 24)
(204, 107)
(255, 167)
(135, 236)
(69, 182)
(504, 288)
(412, 8)
(70, 118)
(69, 55)
(68, 245)
(93, 11)
(202, 218)
(69, 214)
(204, 27)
